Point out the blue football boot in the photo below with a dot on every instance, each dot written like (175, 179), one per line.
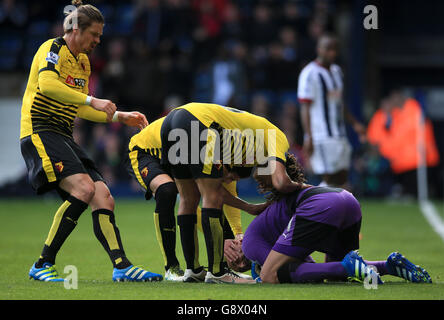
(47, 273)
(135, 274)
(357, 269)
(399, 266)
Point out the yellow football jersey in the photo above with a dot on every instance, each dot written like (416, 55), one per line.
(249, 134)
(42, 113)
(149, 139)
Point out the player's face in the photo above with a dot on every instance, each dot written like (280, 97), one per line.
(90, 37)
(328, 50)
(242, 264)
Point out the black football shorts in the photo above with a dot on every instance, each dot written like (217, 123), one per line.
(51, 157)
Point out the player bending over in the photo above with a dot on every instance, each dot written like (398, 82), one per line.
(145, 153)
(293, 226)
(199, 142)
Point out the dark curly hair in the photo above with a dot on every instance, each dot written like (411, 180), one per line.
(296, 173)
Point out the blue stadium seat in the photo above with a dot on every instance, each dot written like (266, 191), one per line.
(202, 86)
(39, 28)
(11, 43)
(123, 24)
(8, 62)
(288, 96)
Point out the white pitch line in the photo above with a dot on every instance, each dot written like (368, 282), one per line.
(432, 216)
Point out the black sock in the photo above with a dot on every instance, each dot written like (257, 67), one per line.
(108, 234)
(228, 232)
(188, 238)
(214, 239)
(65, 220)
(165, 222)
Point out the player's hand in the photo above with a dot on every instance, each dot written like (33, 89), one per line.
(104, 105)
(232, 250)
(308, 147)
(133, 119)
(360, 131)
(256, 209)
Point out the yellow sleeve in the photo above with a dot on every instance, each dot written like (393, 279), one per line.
(277, 144)
(50, 86)
(91, 114)
(233, 215)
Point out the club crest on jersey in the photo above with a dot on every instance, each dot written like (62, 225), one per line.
(75, 81)
(59, 166)
(52, 57)
(144, 172)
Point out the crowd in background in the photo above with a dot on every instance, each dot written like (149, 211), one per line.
(158, 54)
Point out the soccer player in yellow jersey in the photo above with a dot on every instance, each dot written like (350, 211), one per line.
(56, 93)
(200, 139)
(144, 156)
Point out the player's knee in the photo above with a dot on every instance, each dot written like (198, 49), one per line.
(269, 276)
(109, 199)
(85, 191)
(102, 198)
(166, 194)
(212, 199)
(189, 203)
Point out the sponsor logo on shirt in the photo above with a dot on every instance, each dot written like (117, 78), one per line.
(75, 81)
(52, 57)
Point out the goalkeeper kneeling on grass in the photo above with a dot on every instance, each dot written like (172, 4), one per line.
(279, 241)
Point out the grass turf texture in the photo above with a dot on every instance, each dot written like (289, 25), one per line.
(24, 225)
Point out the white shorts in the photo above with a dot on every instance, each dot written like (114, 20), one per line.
(331, 156)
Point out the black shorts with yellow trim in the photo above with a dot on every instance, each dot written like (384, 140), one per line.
(193, 138)
(144, 167)
(51, 157)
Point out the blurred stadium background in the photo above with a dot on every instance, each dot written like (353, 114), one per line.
(159, 54)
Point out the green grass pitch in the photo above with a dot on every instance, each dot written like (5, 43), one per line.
(24, 224)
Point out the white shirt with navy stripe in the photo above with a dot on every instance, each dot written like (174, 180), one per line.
(323, 88)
